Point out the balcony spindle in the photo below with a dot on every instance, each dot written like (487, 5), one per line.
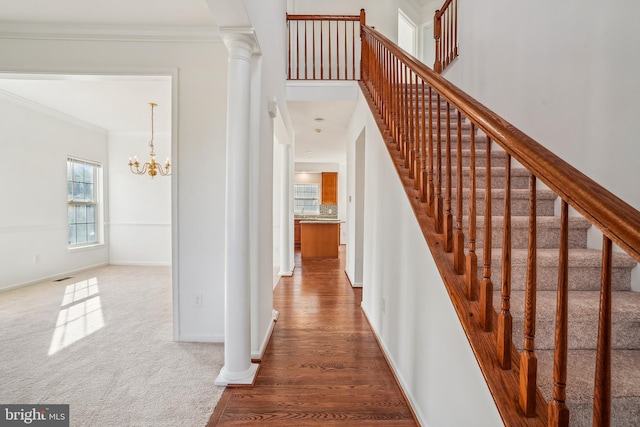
(602, 383)
(558, 412)
(458, 235)
(486, 285)
(448, 217)
(471, 271)
(528, 359)
(439, 205)
(505, 320)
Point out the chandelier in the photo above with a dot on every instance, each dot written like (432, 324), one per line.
(151, 167)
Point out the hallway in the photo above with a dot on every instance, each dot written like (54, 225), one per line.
(322, 365)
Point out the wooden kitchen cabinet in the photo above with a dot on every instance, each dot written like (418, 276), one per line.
(296, 233)
(329, 188)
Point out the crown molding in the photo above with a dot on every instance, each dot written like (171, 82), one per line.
(30, 31)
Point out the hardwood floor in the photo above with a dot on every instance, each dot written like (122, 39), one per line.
(323, 365)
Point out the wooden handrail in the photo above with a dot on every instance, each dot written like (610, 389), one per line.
(611, 215)
(443, 8)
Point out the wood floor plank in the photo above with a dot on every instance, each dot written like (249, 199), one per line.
(323, 365)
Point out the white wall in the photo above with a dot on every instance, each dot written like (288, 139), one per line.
(140, 207)
(34, 145)
(407, 304)
(565, 74)
(198, 151)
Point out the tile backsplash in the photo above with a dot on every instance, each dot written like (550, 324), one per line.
(329, 211)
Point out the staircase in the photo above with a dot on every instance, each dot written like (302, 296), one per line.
(584, 264)
(584, 285)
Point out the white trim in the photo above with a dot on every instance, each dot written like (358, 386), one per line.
(141, 263)
(53, 277)
(257, 355)
(191, 34)
(139, 224)
(10, 229)
(212, 338)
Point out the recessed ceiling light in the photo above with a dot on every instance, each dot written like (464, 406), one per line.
(318, 119)
(308, 152)
(318, 130)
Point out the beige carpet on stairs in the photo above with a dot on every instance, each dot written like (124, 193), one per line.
(101, 342)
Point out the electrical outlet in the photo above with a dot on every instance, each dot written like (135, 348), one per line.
(197, 300)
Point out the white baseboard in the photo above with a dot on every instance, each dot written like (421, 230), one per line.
(257, 355)
(394, 367)
(141, 263)
(212, 338)
(53, 277)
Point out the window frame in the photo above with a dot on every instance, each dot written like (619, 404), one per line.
(95, 201)
(303, 211)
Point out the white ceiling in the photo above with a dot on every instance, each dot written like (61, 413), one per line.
(120, 103)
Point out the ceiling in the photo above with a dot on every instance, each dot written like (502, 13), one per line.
(120, 103)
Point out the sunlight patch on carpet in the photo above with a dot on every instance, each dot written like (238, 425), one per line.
(80, 316)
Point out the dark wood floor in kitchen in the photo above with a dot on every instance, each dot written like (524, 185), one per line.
(323, 365)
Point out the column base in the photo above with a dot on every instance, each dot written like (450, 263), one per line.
(285, 273)
(247, 377)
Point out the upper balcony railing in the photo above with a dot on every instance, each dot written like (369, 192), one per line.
(324, 47)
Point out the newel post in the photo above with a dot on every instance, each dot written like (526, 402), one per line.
(437, 30)
(363, 45)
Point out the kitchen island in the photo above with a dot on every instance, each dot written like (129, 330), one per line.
(319, 238)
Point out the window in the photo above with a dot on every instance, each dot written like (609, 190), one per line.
(306, 199)
(82, 199)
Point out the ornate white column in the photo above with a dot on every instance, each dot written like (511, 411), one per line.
(286, 217)
(238, 368)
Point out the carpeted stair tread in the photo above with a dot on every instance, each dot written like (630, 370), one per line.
(584, 268)
(519, 201)
(625, 385)
(547, 236)
(583, 318)
(519, 177)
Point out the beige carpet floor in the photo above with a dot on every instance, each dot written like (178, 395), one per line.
(101, 342)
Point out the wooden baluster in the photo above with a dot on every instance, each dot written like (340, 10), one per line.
(386, 79)
(423, 150)
(450, 34)
(418, 135)
(437, 65)
(403, 126)
(322, 51)
(363, 21)
(528, 359)
(458, 235)
(558, 413)
(306, 67)
(455, 34)
(346, 68)
(398, 104)
(438, 208)
(407, 123)
(471, 272)
(486, 286)
(329, 44)
(602, 383)
(430, 188)
(448, 217)
(313, 44)
(353, 51)
(411, 154)
(338, 50)
(289, 42)
(505, 321)
(297, 50)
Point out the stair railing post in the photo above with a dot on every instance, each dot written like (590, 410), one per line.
(437, 28)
